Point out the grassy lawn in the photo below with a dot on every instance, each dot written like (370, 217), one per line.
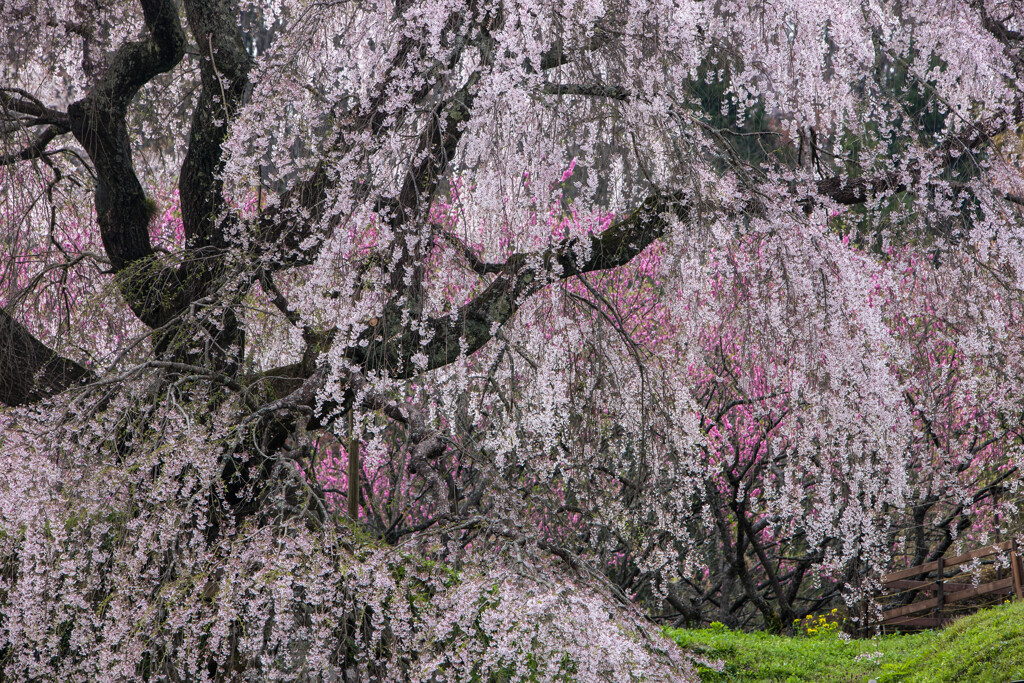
(985, 647)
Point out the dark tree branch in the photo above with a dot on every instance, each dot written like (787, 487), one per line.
(850, 191)
(555, 56)
(291, 223)
(435, 152)
(1013, 198)
(444, 338)
(999, 29)
(437, 149)
(18, 101)
(476, 264)
(614, 92)
(35, 149)
(224, 70)
(29, 370)
(98, 123)
(391, 344)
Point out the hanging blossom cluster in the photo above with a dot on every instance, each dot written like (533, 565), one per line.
(616, 314)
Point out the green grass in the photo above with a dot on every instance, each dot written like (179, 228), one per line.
(986, 647)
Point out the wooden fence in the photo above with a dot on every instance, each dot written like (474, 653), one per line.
(940, 592)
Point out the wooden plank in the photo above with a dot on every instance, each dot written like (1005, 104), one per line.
(948, 562)
(918, 622)
(980, 552)
(912, 571)
(910, 585)
(1018, 572)
(981, 590)
(946, 593)
(912, 608)
(933, 603)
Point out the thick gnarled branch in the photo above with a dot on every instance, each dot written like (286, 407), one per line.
(30, 371)
(98, 123)
(444, 338)
(224, 72)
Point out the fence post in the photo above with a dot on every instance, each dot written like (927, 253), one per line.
(999, 534)
(940, 593)
(1015, 566)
